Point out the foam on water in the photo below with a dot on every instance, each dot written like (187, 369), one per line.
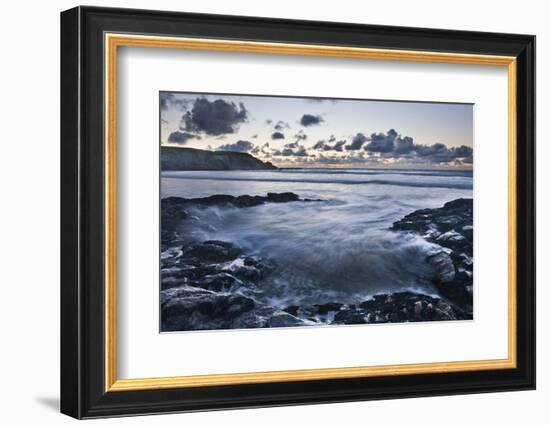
(337, 250)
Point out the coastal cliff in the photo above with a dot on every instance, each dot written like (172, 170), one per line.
(181, 159)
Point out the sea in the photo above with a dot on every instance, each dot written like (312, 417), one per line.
(338, 250)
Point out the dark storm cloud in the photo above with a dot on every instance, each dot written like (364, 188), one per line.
(181, 137)
(277, 135)
(437, 149)
(380, 142)
(380, 147)
(403, 146)
(214, 118)
(393, 145)
(239, 146)
(439, 153)
(357, 142)
(308, 120)
(463, 152)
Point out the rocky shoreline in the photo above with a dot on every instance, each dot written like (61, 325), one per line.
(450, 228)
(214, 284)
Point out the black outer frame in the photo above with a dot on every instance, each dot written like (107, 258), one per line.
(82, 206)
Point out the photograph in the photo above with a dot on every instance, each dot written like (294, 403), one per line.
(281, 211)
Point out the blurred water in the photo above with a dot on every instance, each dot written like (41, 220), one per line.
(336, 250)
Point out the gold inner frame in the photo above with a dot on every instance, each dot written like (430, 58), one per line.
(113, 41)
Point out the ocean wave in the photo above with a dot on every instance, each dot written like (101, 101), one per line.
(376, 172)
(423, 184)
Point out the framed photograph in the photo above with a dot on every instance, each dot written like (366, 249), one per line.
(261, 212)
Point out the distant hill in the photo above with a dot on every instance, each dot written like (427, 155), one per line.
(180, 159)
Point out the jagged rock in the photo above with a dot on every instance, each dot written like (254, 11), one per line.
(453, 216)
(400, 307)
(187, 308)
(282, 319)
(214, 265)
(173, 204)
(190, 308)
(382, 308)
(210, 252)
(451, 228)
(443, 267)
(175, 211)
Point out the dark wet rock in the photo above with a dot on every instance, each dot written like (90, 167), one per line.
(251, 269)
(210, 252)
(189, 308)
(443, 266)
(314, 312)
(173, 205)
(383, 308)
(283, 319)
(451, 228)
(219, 282)
(400, 307)
(214, 265)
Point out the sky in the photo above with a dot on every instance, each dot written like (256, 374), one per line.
(317, 132)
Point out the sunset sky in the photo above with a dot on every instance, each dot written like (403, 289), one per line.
(308, 132)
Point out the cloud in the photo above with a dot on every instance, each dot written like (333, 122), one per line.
(300, 136)
(403, 146)
(380, 142)
(393, 145)
(463, 151)
(308, 120)
(239, 146)
(339, 146)
(380, 149)
(357, 142)
(322, 145)
(265, 150)
(181, 137)
(292, 149)
(165, 100)
(168, 100)
(214, 118)
(281, 125)
(438, 153)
